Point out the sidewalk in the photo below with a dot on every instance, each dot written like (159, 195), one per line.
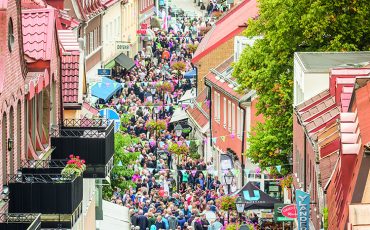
(188, 6)
(115, 217)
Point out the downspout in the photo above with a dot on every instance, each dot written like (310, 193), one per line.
(304, 162)
(243, 139)
(210, 108)
(196, 81)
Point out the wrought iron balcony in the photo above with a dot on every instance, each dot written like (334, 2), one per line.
(91, 139)
(58, 199)
(20, 221)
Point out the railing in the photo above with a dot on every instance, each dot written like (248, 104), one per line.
(43, 163)
(87, 133)
(29, 221)
(86, 123)
(39, 178)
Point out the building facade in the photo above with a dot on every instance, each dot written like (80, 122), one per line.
(218, 43)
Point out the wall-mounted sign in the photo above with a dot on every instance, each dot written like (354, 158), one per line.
(303, 209)
(289, 211)
(278, 213)
(123, 46)
(104, 72)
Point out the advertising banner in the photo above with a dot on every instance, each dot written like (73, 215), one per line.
(303, 210)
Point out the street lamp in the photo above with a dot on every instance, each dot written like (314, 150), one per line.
(178, 130)
(240, 205)
(229, 177)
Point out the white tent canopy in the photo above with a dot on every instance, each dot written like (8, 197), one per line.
(178, 115)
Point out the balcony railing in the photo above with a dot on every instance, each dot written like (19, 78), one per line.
(58, 199)
(20, 221)
(91, 139)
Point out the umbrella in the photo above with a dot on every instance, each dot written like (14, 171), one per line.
(110, 114)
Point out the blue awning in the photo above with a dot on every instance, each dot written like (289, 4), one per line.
(190, 74)
(105, 89)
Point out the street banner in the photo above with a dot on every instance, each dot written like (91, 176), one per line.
(303, 209)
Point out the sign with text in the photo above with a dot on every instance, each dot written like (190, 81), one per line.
(303, 209)
(290, 211)
(278, 213)
(104, 72)
(123, 46)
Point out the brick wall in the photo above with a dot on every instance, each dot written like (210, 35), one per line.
(212, 60)
(12, 97)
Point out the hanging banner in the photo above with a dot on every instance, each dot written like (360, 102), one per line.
(303, 209)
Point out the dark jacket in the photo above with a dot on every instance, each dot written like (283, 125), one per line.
(160, 225)
(142, 222)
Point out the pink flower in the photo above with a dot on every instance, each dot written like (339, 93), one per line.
(83, 161)
(78, 157)
(71, 156)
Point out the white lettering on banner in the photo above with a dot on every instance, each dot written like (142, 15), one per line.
(302, 212)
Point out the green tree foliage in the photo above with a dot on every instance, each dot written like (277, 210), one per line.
(193, 150)
(123, 160)
(289, 26)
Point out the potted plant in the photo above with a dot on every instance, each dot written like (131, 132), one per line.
(286, 182)
(157, 125)
(192, 48)
(74, 168)
(164, 87)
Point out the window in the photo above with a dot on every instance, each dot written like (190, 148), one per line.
(10, 35)
(224, 108)
(218, 107)
(106, 33)
(91, 42)
(229, 115)
(238, 127)
(215, 107)
(241, 123)
(233, 121)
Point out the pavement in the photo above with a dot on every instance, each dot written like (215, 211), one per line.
(115, 217)
(188, 6)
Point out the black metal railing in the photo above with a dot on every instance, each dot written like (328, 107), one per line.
(85, 123)
(15, 221)
(92, 140)
(44, 193)
(43, 163)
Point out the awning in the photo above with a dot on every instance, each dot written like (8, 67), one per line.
(124, 61)
(105, 89)
(190, 74)
(188, 95)
(110, 64)
(178, 115)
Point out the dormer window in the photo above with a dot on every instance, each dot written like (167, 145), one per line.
(10, 35)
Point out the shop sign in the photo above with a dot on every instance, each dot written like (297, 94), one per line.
(141, 31)
(104, 72)
(143, 26)
(303, 209)
(278, 213)
(289, 211)
(122, 46)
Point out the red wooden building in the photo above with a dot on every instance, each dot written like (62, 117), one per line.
(232, 116)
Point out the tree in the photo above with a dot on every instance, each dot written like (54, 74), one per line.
(123, 160)
(289, 26)
(193, 150)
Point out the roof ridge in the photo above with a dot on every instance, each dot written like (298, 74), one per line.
(233, 10)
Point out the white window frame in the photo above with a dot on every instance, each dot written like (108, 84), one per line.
(91, 42)
(225, 113)
(233, 118)
(229, 115)
(218, 107)
(238, 127)
(241, 124)
(215, 106)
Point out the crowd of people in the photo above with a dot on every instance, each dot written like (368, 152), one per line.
(169, 194)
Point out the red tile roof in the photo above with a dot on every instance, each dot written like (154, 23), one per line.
(70, 65)
(227, 27)
(197, 113)
(38, 26)
(70, 78)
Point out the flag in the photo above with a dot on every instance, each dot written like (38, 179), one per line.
(188, 143)
(247, 171)
(278, 168)
(200, 104)
(214, 140)
(208, 103)
(114, 84)
(101, 106)
(223, 138)
(119, 163)
(197, 142)
(192, 105)
(232, 136)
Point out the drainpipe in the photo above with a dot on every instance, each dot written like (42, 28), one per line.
(243, 139)
(210, 109)
(305, 163)
(196, 81)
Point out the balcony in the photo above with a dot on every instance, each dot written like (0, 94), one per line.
(59, 200)
(20, 221)
(91, 139)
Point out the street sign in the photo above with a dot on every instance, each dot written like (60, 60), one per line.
(289, 211)
(105, 72)
(278, 215)
(122, 46)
